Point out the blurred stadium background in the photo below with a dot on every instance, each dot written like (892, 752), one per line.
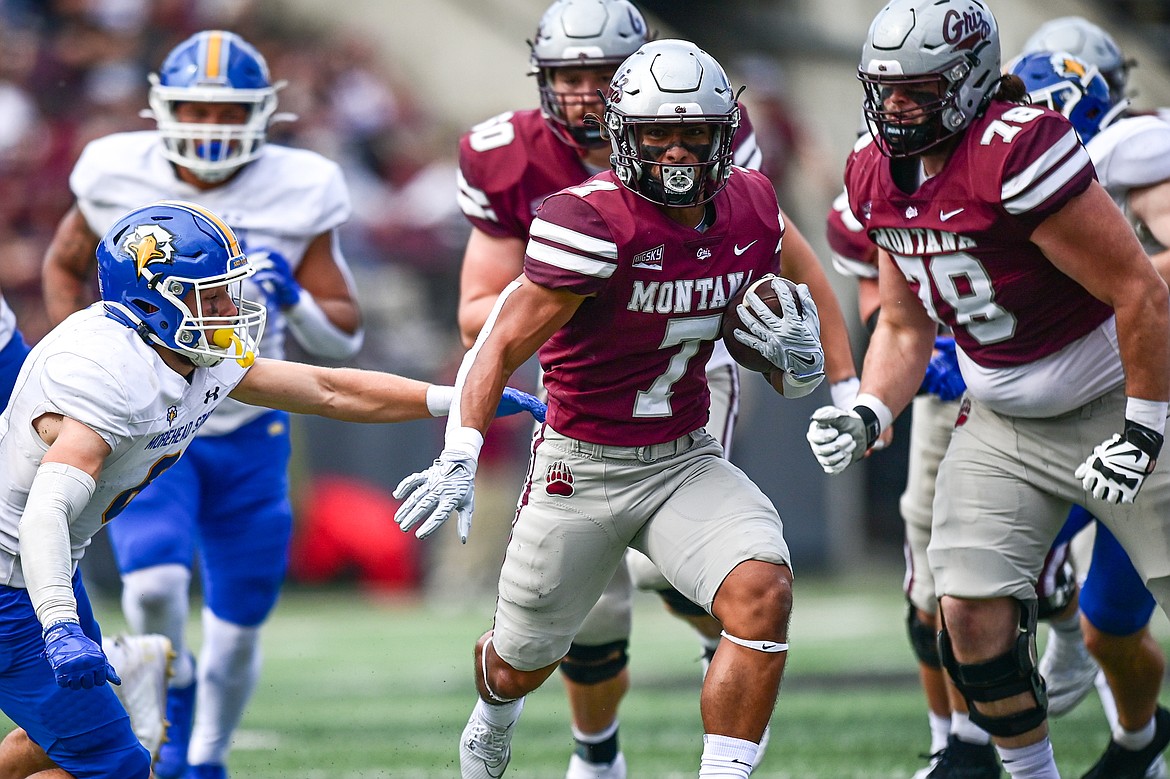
(385, 87)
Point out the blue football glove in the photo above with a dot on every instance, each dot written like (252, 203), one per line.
(275, 278)
(515, 401)
(77, 662)
(943, 377)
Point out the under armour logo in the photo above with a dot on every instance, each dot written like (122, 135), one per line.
(211, 395)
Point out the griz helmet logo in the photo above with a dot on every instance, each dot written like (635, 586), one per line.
(965, 30)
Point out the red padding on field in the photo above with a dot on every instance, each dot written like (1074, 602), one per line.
(347, 527)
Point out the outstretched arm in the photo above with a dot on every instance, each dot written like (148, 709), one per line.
(347, 394)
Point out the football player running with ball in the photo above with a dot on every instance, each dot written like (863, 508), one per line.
(508, 165)
(1060, 323)
(624, 460)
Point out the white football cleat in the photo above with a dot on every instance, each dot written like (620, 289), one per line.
(144, 663)
(1068, 670)
(484, 749)
(581, 769)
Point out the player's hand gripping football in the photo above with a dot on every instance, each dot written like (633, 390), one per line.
(275, 277)
(77, 661)
(791, 342)
(1117, 468)
(428, 497)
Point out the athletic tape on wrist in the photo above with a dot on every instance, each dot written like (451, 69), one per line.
(1148, 413)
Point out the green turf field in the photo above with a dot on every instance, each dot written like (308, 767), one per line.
(360, 688)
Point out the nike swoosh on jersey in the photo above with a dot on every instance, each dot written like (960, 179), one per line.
(945, 215)
(739, 251)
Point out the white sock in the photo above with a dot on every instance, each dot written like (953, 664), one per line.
(498, 716)
(1134, 740)
(965, 729)
(1030, 762)
(1068, 626)
(940, 729)
(156, 600)
(595, 738)
(229, 666)
(725, 757)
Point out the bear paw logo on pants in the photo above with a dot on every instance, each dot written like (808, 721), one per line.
(559, 479)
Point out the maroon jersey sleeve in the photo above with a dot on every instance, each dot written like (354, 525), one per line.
(570, 246)
(853, 254)
(507, 166)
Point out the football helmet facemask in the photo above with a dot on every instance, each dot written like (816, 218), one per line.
(1081, 38)
(946, 51)
(213, 66)
(1069, 85)
(581, 34)
(671, 82)
(155, 266)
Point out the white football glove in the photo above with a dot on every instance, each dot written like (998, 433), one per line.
(840, 437)
(428, 497)
(791, 342)
(1117, 468)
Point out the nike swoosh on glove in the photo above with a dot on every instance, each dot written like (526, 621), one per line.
(1117, 468)
(77, 661)
(428, 497)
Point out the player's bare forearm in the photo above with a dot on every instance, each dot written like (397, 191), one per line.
(901, 344)
(68, 265)
(1143, 330)
(346, 394)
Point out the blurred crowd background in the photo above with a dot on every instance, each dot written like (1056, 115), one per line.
(385, 87)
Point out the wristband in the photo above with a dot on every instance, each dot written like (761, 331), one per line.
(1150, 414)
(439, 399)
(875, 414)
(464, 440)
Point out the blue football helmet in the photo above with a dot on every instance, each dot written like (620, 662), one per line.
(155, 266)
(213, 66)
(1069, 85)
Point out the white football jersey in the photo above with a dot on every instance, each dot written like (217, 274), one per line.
(99, 372)
(1132, 152)
(281, 201)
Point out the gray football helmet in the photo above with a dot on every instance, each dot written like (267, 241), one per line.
(947, 49)
(1086, 41)
(671, 82)
(582, 34)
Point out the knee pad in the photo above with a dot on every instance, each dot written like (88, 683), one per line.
(923, 639)
(681, 604)
(595, 664)
(1012, 673)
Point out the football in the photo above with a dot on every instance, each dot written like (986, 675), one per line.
(742, 353)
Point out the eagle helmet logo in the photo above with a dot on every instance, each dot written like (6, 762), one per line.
(149, 244)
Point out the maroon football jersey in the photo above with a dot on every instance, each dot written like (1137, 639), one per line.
(962, 237)
(512, 162)
(628, 368)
